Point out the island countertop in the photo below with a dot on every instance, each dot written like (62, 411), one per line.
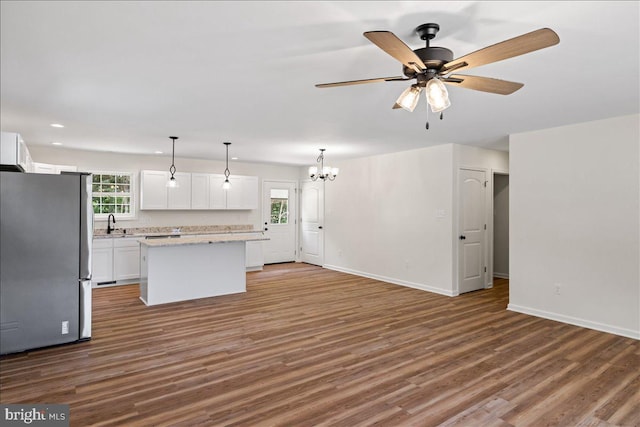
(203, 240)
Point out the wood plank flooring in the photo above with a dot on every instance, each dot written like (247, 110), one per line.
(312, 347)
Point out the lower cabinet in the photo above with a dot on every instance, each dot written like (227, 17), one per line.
(102, 261)
(255, 256)
(115, 260)
(126, 259)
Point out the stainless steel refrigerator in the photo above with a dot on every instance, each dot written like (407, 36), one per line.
(46, 231)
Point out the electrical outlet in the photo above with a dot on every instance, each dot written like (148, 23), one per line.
(65, 327)
(557, 289)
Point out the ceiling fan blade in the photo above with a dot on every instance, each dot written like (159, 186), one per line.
(395, 47)
(483, 84)
(359, 82)
(516, 46)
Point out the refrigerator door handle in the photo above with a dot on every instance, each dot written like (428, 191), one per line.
(85, 309)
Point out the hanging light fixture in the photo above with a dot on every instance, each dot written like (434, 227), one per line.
(226, 184)
(437, 95)
(325, 172)
(172, 182)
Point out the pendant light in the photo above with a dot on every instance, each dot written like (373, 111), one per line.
(226, 184)
(325, 172)
(172, 182)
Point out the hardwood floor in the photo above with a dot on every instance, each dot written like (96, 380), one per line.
(307, 346)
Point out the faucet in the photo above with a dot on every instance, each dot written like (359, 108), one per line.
(109, 228)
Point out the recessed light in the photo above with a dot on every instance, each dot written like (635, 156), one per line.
(56, 143)
(57, 125)
(158, 152)
(234, 158)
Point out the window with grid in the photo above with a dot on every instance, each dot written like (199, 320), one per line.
(112, 193)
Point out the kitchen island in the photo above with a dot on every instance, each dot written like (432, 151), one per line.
(186, 268)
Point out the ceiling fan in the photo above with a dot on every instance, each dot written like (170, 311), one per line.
(431, 67)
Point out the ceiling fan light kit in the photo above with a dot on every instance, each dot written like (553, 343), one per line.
(431, 67)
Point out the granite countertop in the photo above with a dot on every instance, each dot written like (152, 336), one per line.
(222, 238)
(179, 230)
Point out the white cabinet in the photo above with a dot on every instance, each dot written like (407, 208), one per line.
(154, 193)
(199, 191)
(243, 193)
(54, 169)
(255, 256)
(180, 197)
(14, 152)
(217, 194)
(126, 259)
(115, 259)
(153, 189)
(102, 261)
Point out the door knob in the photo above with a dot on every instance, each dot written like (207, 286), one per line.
(462, 237)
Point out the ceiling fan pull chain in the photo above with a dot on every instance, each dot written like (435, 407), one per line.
(441, 115)
(427, 116)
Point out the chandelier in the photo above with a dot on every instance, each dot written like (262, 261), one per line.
(325, 172)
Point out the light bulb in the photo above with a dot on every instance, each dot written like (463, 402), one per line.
(172, 183)
(226, 184)
(437, 95)
(409, 98)
(334, 171)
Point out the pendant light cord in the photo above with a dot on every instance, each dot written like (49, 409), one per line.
(226, 171)
(172, 169)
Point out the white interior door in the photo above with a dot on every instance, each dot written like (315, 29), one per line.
(279, 218)
(472, 225)
(312, 214)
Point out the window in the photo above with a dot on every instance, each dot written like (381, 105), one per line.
(279, 206)
(112, 193)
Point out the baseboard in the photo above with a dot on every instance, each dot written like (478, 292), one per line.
(501, 275)
(629, 333)
(391, 280)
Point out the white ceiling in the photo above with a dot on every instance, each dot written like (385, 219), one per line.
(124, 76)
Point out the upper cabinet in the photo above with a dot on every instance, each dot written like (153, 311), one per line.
(243, 193)
(197, 191)
(14, 154)
(154, 193)
(55, 169)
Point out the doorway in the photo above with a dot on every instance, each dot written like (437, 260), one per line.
(501, 225)
(279, 219)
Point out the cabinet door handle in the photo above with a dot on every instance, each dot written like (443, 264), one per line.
(320, 227)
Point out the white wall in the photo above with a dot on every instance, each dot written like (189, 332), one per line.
(380, 218)
(101, 161)
(574, 222)
(501, 226)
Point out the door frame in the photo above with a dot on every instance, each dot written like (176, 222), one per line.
(494, 172)
(295, 204)
(486, 257)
